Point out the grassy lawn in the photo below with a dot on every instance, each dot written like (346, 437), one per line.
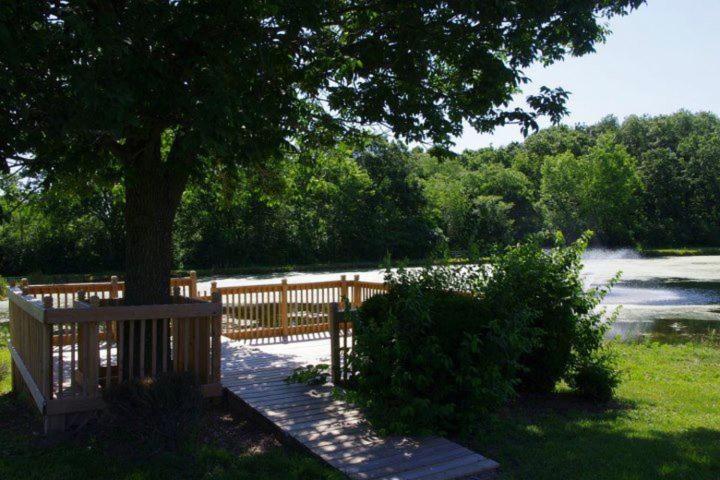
(666, 424)
(680, 251)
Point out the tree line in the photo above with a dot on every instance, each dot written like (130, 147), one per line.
(645, 181)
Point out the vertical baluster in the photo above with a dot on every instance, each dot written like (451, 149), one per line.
(108, 354)
(73, 349)
(166, 328)
(316, 309)
(142, 348)
(131, 353)
(197, 343)
(186, 344)
(61, 330)
(265, 308)
(120, 327)
(153, 346)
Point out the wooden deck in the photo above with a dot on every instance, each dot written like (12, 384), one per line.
(254, 374)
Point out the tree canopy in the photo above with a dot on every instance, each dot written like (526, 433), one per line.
(151, 93)
(360, 201)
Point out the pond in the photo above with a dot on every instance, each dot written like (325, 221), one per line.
(668, 298)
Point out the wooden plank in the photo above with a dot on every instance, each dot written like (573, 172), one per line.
(336, 431)
(403, 462)
(33, 307)
(27, 378)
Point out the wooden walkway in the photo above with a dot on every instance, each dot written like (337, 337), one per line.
(334, 431)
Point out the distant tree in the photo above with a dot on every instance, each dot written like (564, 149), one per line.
(665, 198)
(156, 86)
(547, 142)
(598, 191)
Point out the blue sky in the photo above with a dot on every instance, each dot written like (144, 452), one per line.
(662, 57)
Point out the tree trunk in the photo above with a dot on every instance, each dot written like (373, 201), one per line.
(153, 188)
(152, 195)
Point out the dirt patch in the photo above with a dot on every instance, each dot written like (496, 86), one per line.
(231, 431)
(221, 428)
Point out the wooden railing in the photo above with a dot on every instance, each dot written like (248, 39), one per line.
(64, 294)
(283, 309)
(65, 357)
(71, 342)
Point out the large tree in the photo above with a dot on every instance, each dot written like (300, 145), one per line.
(157, 87)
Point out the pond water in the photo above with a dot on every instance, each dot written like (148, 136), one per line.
(667, 298)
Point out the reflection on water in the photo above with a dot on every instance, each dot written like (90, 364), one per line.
(664, 298)
(665, 329)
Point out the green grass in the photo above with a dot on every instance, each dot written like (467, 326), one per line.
(4, 359)
(679, 252)
(666, 424)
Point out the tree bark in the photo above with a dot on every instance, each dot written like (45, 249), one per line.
(153, 189)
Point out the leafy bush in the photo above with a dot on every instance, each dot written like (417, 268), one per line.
(165, 411)
(446, 345)
(3, 288)
(595, 378)
(4, 372)
(432, 361)
(310, 374)
(548, 285)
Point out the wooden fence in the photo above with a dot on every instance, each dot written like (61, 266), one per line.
(64, 294)
(65, 357)
(69, 342)
(283, 309)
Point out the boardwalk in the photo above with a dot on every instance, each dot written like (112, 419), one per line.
(334, 431)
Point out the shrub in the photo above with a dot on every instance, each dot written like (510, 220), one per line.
(4, 372)
(310, 374)
(446, 345)
(165, 411)
(432, 361)
(3, 288)
(595, 378)
(547, 283)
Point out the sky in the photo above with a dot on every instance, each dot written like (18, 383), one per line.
(661, 58)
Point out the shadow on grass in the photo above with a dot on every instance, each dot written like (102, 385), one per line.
(559, 436)
(227, 449)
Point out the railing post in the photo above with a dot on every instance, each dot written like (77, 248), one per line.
(193, 284)
(284, 307)
(216, 340)
(334, 344)
(46, 379)
(114, 287)
(343, 290)
(356, 299)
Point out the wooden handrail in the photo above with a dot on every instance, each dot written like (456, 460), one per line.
(64, 354)
(282, 309)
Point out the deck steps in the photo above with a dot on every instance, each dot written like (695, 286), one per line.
(337, 433)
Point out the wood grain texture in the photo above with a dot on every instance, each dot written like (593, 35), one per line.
(330, 428)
